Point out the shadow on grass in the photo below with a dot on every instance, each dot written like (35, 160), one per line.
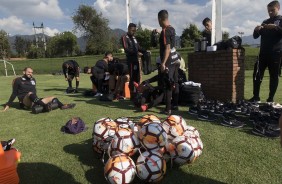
(43, 173)
(85, 155)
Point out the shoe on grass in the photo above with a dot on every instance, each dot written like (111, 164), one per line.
(254, 100)
(144, 107)
(68, 106)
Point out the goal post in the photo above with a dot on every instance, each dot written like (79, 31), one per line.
(5, 67)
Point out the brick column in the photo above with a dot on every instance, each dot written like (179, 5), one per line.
(221, 73)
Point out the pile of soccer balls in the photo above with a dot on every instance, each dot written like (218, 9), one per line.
(154, 140)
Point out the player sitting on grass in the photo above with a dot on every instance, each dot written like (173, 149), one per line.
(25, 89)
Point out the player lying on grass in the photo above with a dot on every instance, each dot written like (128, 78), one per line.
(25, 89)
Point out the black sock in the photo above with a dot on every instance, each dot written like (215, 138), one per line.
(70, 83)
(56, 100)
(38, 101)
(76, 84)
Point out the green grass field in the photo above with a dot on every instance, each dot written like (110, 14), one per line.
(49, 156)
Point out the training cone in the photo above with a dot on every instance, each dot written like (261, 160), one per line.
(8, 166)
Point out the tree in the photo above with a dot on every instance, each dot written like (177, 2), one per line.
(225, 35)
(5, 50)
(189, 35)
(95, 27)
(143, 36)
(19, 46)
(62, 44)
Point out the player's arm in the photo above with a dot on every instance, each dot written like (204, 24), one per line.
(14, 94)
(166, 55)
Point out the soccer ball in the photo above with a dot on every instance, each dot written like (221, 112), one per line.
(119, 169)
(153, 136)
(123, 120)
(124, 142)
(197, 145)
(103, 131)
(174, 126)
(147, 119)
(98, 146)
(183, 151)
(150, 166)
(190, 131)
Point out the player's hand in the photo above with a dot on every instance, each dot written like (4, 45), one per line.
(140, 54)
(6, 107)
(66, 79)
(258, 28)
(163, 67)
(270, 26)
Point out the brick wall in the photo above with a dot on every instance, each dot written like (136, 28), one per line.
(221, 73)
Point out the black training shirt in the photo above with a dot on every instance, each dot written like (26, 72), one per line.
(167, 37)
(271, 39)
(73, 68)
(21, 87)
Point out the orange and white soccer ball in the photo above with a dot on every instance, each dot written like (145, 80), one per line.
(197, 145)
(120, 169)
(124, 142)
(183, 151)
(174, 126)
(149, 118)
(190, 130)
(103, 131)
(151, 166)
(153, 136)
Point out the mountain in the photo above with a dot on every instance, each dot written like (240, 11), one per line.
(249, 40)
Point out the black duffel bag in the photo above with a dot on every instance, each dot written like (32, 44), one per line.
(189, 95)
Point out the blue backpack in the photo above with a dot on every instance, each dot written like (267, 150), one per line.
(74, 126)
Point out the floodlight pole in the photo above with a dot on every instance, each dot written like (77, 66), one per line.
(216, 21)
(128, 12)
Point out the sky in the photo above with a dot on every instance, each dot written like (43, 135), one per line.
(17, 16)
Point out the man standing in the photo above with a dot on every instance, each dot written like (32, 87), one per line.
(270, 51)
(132, 51)
(71, 71)
(207, 23)
(169, 59)
(25, 89)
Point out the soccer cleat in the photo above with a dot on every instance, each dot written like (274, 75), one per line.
(205, 115)
(9, 144)
(254, 100)
(265, 130)
(232, 123)
(68, 106)
(193, 110)
(144, 107)
(166, 112)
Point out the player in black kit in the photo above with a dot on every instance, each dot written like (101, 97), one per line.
(71, 71)
(133, 51)
(25, 89)
(270, 51)
(169, 59)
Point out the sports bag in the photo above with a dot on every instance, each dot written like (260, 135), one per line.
(74, 126)
(189, 95)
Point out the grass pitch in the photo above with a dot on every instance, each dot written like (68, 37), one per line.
(49, 156)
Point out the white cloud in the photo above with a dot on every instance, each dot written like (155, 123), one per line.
(13, 25)
(50, 32)
(32, 8)
(239, 15)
